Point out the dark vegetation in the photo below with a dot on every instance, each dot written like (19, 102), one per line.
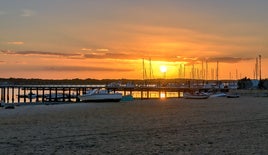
(21, 81)
(246, 83)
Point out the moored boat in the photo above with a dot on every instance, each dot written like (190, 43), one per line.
(233, 95)
(127, 98)
(195, 96)
(98, 95)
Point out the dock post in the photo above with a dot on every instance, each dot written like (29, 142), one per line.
(77, 94)
(56, 92)
(4, 94)
(30, 95)
(1, 94)
(83, 90)
(69, 94)
(49, 94)
(37, 95)
(13, 94)
(63, 93)
(18, 95)
(24, 96)
(43, 95)
(1, 97)
(7, 94)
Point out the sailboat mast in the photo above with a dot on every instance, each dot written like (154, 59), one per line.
(206, 70)
(256, 69)
(150, 69)
(143, 71)
(217, 71)
(202, 71)
(260, 65)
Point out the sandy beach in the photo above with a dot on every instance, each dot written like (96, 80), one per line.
(168, 126)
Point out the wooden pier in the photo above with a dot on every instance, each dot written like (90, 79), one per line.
(34, 94)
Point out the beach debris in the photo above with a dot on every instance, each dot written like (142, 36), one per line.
(210, 142)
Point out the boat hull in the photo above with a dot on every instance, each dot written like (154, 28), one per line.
(100, 97)
(195, 97)
(232, 96)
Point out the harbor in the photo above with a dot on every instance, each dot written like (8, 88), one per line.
(38, 94)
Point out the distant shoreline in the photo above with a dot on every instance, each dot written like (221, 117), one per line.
(251, 92)
(87, 81)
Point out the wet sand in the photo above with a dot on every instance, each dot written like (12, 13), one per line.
(171, 126)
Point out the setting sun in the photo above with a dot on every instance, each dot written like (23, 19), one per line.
(163, 69)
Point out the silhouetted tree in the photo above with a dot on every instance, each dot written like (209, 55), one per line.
(263, 84)
(244, 83)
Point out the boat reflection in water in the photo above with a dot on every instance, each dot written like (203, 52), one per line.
(100, 95)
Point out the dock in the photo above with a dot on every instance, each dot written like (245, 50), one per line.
(43, 94)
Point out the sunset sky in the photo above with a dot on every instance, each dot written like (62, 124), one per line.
(66, 39)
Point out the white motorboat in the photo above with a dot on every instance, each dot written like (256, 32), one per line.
(195, 96)
(99, 95)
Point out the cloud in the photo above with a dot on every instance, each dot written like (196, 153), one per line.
(27, 13)
(130, 56)
(80, 68)
(199, 60)
(86, 49)
(102, 50)
(228, 59)
(44, 53)
(15, 43)
(91, 55)
(108, 55)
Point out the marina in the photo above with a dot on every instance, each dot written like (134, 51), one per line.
(38, 94)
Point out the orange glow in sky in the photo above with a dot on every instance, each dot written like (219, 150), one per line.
(109, 39)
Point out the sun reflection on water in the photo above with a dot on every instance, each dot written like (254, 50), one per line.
(162, 95)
